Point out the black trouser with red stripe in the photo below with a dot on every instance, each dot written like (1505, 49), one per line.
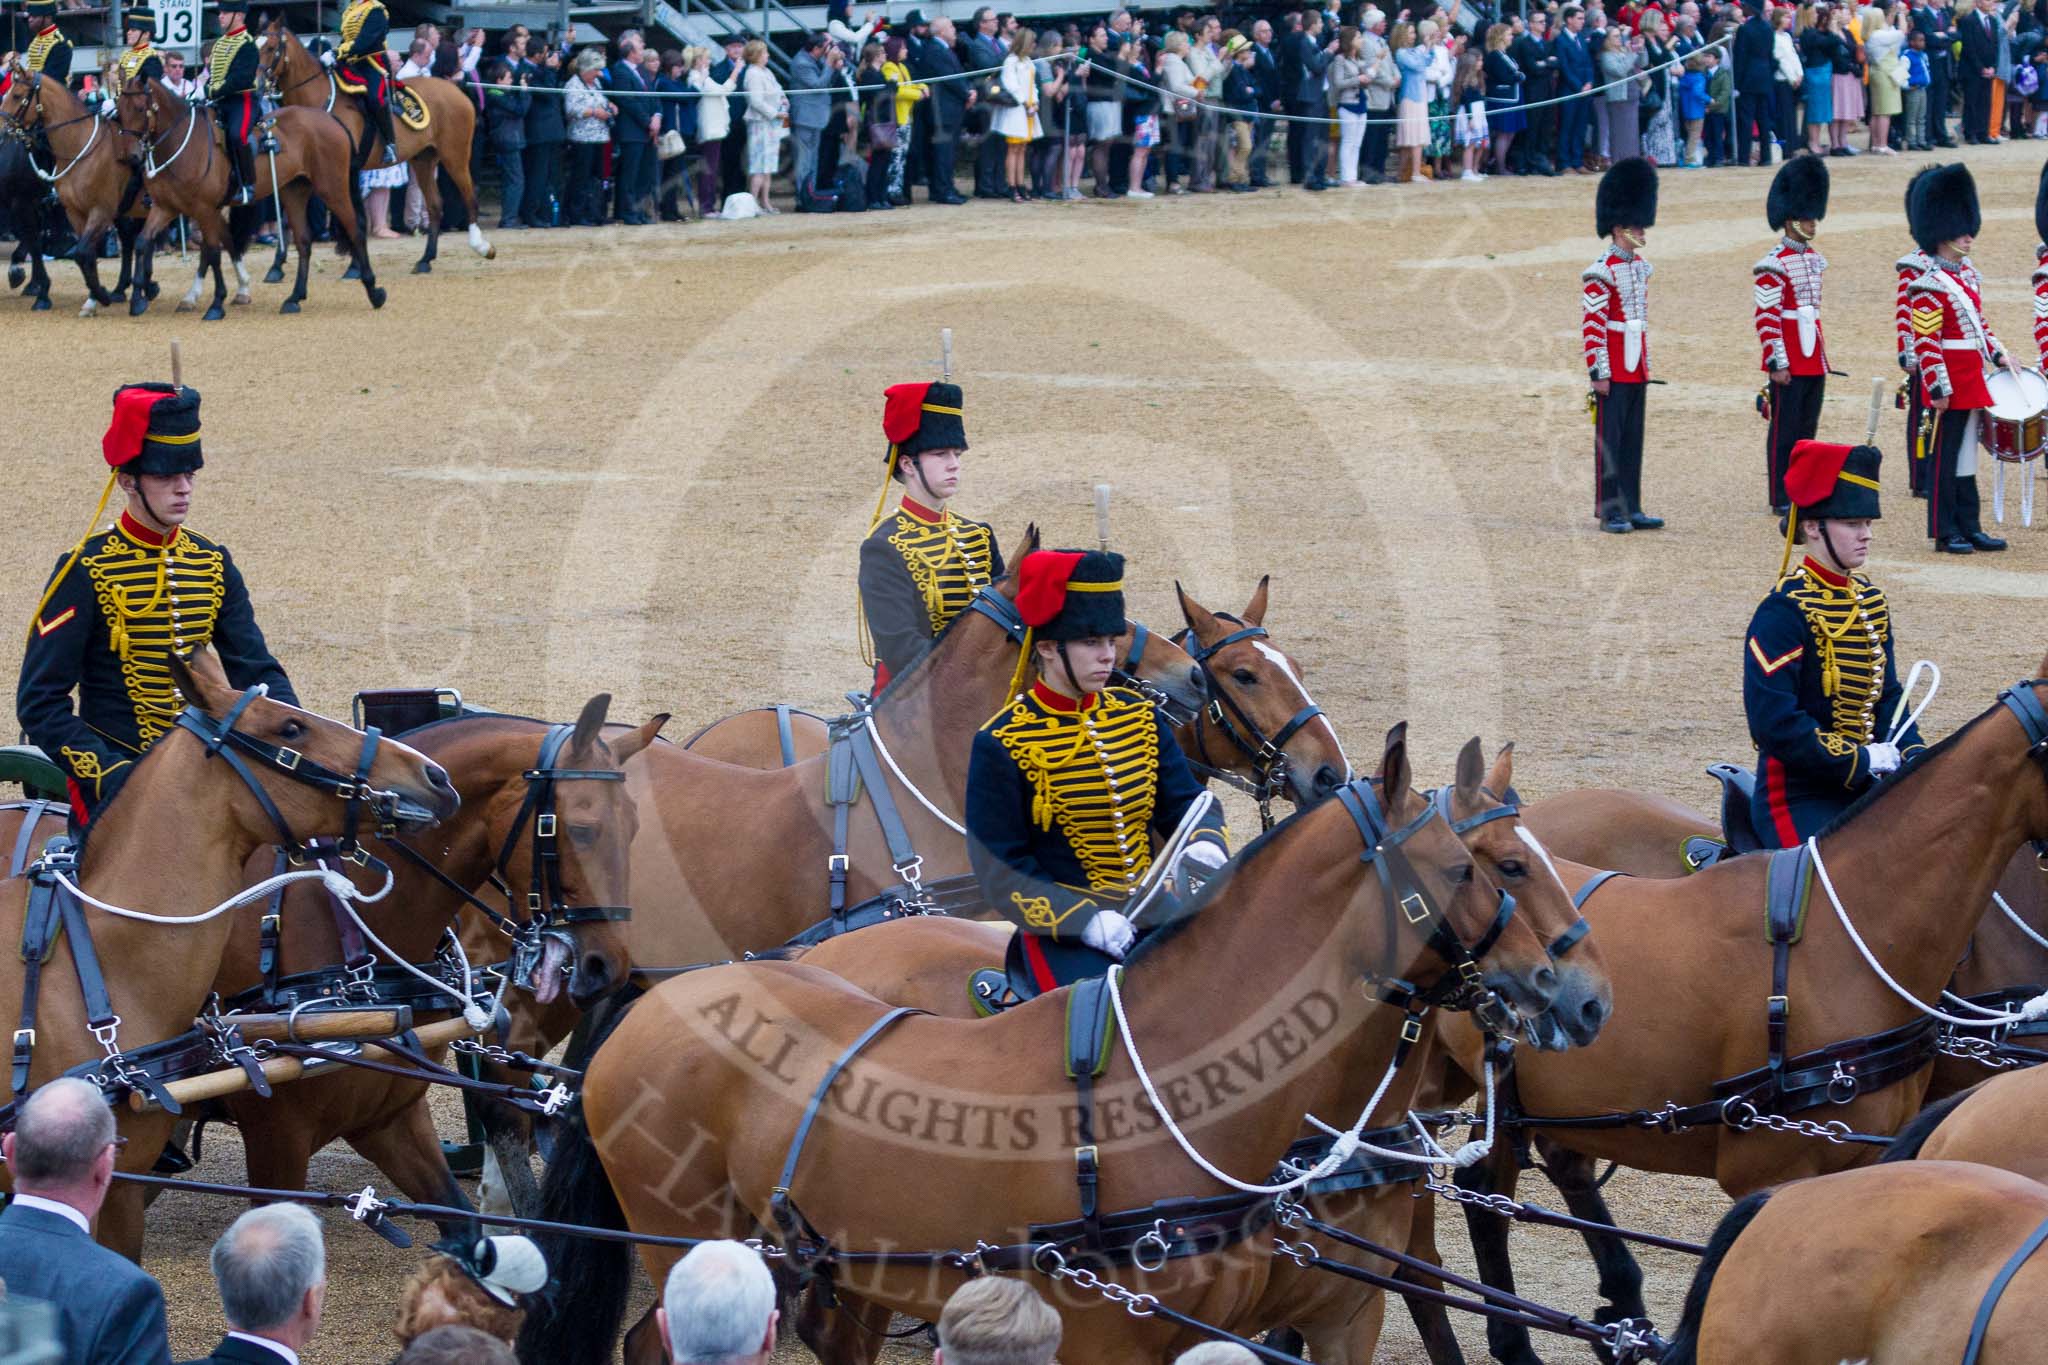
(238, 115)
(1795, 416)
(1618, 451)
(1952, 508)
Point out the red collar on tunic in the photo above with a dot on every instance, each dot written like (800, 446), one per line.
(142, 535)
(1825, 574)
(1053, 701)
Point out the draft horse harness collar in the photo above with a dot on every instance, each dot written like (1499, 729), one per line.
(1267, 756)
(52, 910)
(1836, 1074)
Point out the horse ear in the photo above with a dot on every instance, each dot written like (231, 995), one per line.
(1502, 775)
(1200, 620)
(2042, 671)
(199, 680)
(1471, 769)
(1394, 773)
(1255, 614)
(591, 723)
(638, 738)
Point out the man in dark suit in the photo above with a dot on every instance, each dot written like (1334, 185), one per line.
(1574, 79)
(1978, 31)
(982, 49)
(271, 1267)
(1755, 71)
(61, 1153)
(1536, 54)
(949, 100)
(1934, 21)
(732, 153)
(1308, 56)
(1266, 81)
(633, 132)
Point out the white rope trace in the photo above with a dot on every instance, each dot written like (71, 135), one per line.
(337, 885)
(948, 821)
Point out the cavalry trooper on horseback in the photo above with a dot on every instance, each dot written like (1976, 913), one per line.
(138, 61)
(1068, 783)
(921, 565)
(128, 597)
(49, 51)
(362, 69)
(231, 89)
(1817, 673)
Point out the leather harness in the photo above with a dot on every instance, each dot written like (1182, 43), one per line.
(1267, 756)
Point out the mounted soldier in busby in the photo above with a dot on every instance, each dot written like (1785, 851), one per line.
(231, 89)
(49, 52)
(1788, 326)
(127, 598)
(1069, 782)
(921, 564)
(138, 61)
(362, 68)
(1615, 299)
(1818, 682)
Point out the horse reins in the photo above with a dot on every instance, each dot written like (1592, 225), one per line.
(1267, 756)
(18, 127)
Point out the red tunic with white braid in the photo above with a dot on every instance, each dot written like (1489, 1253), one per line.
(1953, 344)
(1911, 267)
(1788, 309)
(1615, 329)
(2041, 302)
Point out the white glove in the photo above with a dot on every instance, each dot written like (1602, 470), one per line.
(1883, 758)
(327, 60)
(1204, 854)
(1109, 932)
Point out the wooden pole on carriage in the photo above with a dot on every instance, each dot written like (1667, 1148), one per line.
(177, 362)
(1102, 516)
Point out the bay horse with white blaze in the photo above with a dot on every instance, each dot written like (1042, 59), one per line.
(96, 184)
(176, 839)
(1296, 940)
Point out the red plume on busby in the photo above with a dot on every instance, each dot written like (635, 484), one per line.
(1798, 191)
(921, 417)
(1942, 206)
(154, 430)
(1071, 594)
(1627, 196)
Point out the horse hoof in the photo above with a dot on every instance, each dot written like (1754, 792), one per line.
(423, 268)
(352, 273)
(376, 297)
(491, 254)
(118, 295)
(240, 300)
(214, 314)
(41, 305)
(288, 306)
(88, 309)
(137, 306)
(153, 290)
(273, 276)
(16, 277)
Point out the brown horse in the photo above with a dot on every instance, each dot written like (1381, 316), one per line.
(176, 839)
(1997, 1123)
(95, 181)
(1254, 693)
(709, 886)
(299, 79)
(1274, 974)
(186, 168)
(926, 963)
(1883, 1265)
(1691, 968)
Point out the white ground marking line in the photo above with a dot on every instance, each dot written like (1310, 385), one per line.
(1279, 661)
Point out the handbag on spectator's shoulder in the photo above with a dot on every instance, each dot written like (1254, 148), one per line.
(993, 93)
(669, 146)
(882, 136)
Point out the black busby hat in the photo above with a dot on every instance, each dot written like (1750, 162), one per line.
(1799, 190)
(1627, 196)
(921, 417)
(1836, 482)
(155, 430)
(2041, 204)
(42, 9)
(1071, 594)
(137, 17)
(1942, 206)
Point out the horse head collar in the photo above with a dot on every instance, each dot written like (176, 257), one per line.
(547, 903)
(1266, 755)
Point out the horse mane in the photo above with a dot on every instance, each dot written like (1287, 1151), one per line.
(1214, 887)
(1685, 1342)
(1905, 777)
(1908, 1141)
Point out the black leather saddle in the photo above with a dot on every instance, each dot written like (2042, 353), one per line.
(1738, 830)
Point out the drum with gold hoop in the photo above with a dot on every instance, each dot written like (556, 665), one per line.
(2015, 430)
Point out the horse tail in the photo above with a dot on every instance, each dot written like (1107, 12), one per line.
(1906, 1144)
(578, 1318)
(1685, 1342)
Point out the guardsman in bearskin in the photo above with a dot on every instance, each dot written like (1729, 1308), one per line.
(921, 565)
(126, 598)
(1818, 681)
(364, 69)
(1911, 267)
(1069, 782)
(49, 51)
(1616, 331)
(1788, 287)
(231, 87)
(1956, 351)
(138, 61)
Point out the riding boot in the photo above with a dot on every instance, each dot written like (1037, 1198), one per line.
(245, 173)
(380, 110)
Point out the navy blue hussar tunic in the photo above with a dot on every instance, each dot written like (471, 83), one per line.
(1818, 685)
(1063, 799)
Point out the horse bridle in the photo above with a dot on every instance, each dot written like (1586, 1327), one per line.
(547, 904)
(1267, 756)
(1404, 895)
(225, 742)
(1510, 808)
